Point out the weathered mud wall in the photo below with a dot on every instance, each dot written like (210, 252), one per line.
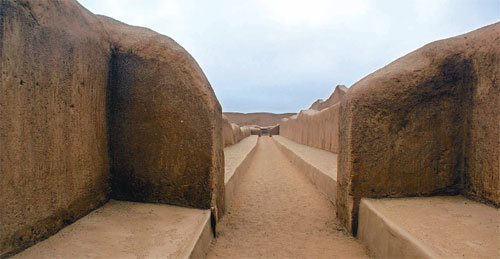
(53, 153)
(165, 137)
(313, 128)
(262, 119)
(255, 131)
(227, 132)
(78, 100)
(233, 133)
(318, 126)
(275, 130)
(426, 124)
(240, 133)
(334, 98)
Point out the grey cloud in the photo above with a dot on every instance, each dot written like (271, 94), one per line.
(257, 63)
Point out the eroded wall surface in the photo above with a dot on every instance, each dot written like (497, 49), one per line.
(319, 125)
(313, 128)
(232, 133)
(165, 122)
(335, 97)
(53, 149)
(78, 100)
(426, 124)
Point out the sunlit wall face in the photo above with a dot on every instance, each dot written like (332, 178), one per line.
(281, 55)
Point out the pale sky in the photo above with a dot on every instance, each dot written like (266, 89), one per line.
(280, 56)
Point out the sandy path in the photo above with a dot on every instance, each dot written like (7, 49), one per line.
(277, 213)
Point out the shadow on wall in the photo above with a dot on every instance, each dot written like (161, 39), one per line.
(274, 130)
(74, 86)
(426, 124)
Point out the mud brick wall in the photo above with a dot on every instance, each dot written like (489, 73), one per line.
(426, 124)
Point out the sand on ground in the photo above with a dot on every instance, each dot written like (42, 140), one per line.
(325, 161)
(278, 213)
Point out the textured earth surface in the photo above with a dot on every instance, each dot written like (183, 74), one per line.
(93, 109)
(277, 213)
(425, 124)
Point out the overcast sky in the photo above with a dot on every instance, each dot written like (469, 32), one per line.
(282, 55)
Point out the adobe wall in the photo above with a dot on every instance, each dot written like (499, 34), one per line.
(313, 128)
(240, 133)
(227, 132)
(275, 130)
(335, 97)
(426, 124)
(78, 100)
(53, 150)
(255, 131)
(165, 123)
(232, 133)
(261, 119)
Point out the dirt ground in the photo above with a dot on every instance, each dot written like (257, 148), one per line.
(278, 213)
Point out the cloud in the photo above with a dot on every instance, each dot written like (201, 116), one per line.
(431, 10)
(315, 12)
(280, 56)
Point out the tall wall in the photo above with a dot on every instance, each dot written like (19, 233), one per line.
(165, 122)
(313, 128)
(334, 98)
(91, 108)
(53, 151)
(426, 124)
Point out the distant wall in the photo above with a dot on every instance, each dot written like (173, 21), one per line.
(426, 124)
(275, 130)
(240, 133)
(255, 131)
(319, 125)
(335, 97)
(263, 119)
(313, 128)
(53, 150)
(232, 133)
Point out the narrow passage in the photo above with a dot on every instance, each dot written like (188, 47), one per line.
(278, 213)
